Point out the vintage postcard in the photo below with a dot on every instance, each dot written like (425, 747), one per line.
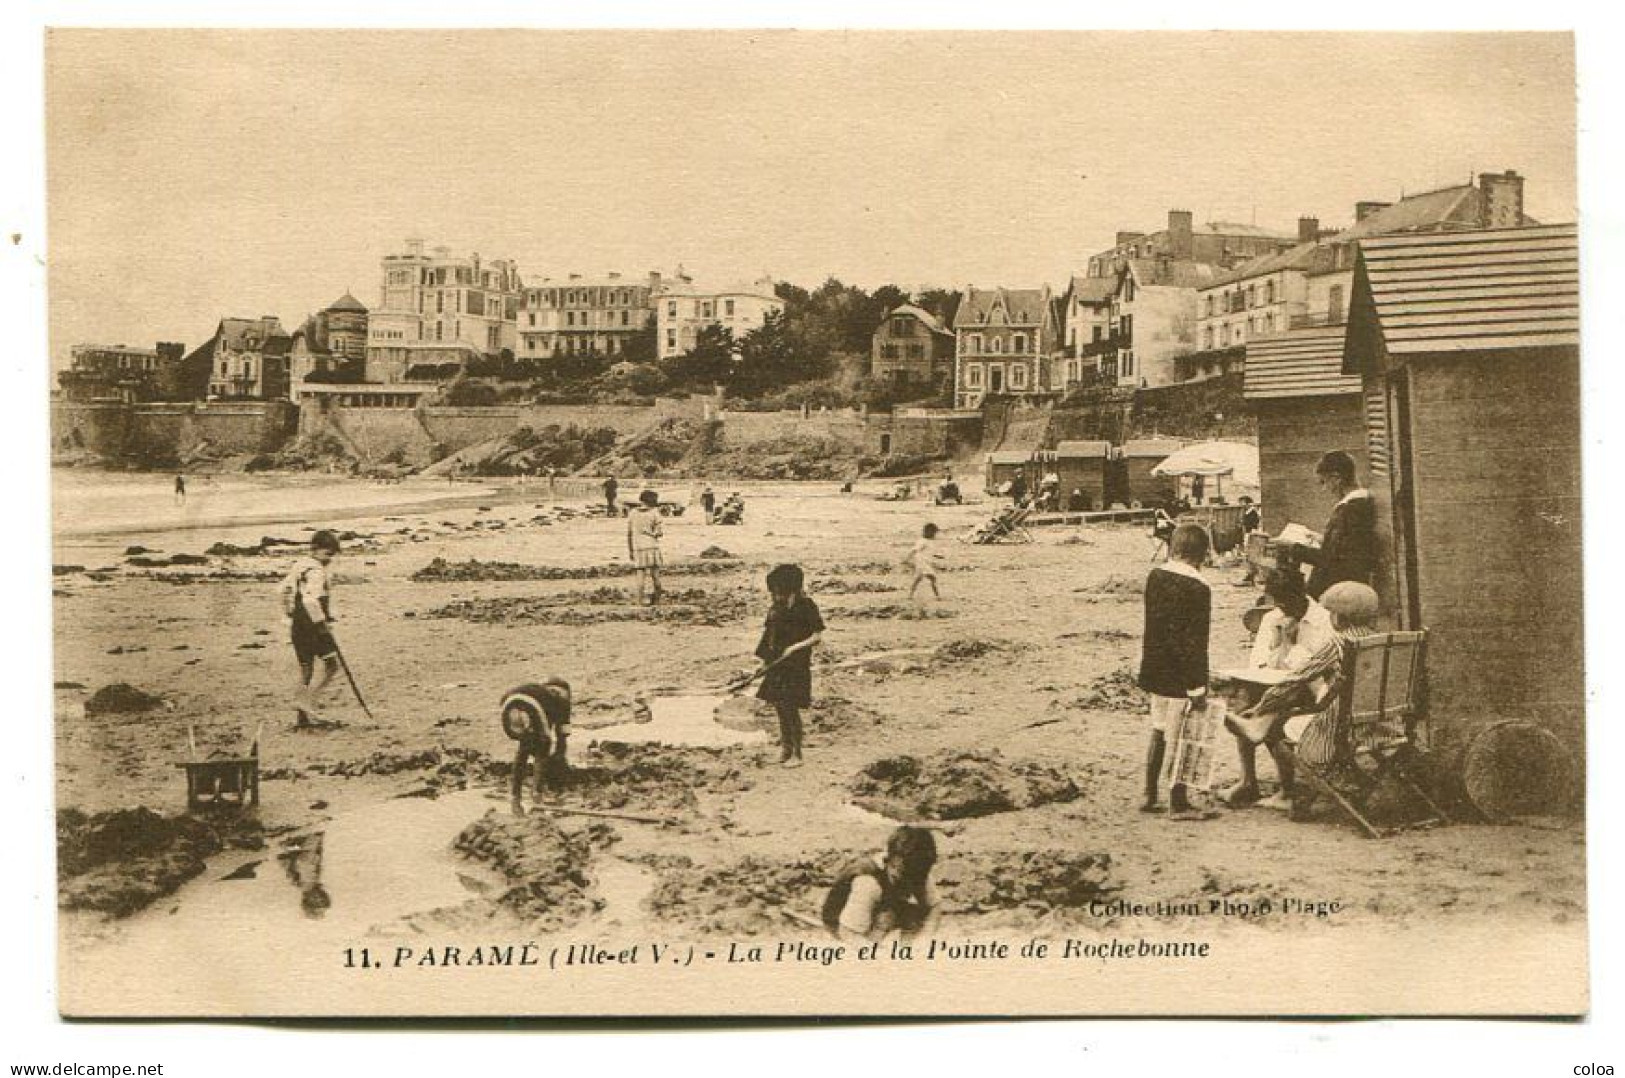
(654, 523)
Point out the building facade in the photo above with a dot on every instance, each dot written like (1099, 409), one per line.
(577, 316)
(246, 359)
(911, 347)
(436, 309)
(682, 311)
(1153, 320)
(1003, 343)
(1213, 243)
(1086, 327)
(117, 372)
(331, 346)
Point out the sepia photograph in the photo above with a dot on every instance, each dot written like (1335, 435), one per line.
(652, 523)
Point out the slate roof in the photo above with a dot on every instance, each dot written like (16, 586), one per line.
(1022, 306)
(932, 322)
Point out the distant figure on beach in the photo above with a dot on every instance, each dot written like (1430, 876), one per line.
(612, 489)
(180, 490)
(708, 502)
(1076, 502)
(925, 558)
(537, 716)
(886, 892)
(306, 600)
(1018, 490)
(643, 533)
(794, 627)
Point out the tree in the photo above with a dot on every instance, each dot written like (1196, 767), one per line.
(709, 362)
(641, 347)
(768, 360)
(941, 302)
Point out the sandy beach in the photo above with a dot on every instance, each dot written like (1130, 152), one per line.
(1026, 663)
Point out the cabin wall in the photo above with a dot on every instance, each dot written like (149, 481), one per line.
(1494, 444)
(1293, 434)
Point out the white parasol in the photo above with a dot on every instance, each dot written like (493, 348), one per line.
(1235, 462)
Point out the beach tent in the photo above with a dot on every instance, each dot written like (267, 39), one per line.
(1228, 469)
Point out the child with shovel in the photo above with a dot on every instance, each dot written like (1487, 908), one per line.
(794, 627)
(306, 596)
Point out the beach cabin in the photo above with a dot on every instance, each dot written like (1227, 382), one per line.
(1003, 465)
(1467, 343)
(1138, 458)
(1306, 406)
(1082, 466)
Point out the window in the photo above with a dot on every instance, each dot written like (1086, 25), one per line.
(973, 376)
(705, 309)
(248, 368)
(671, 338)
(1018, 376)
(1100, 331)
(569, 318)
(728, 307)
(1252, 295)
(626, 318)
(900, 327)
(1128, 289)
(1269, 322)
(533, 320)
(222, 368)
(1269, 292)
(976, 343)
(439, 303)
(888, 351)
(671, 309)
(1020, 344)
(1207, 337)
(1210, 306)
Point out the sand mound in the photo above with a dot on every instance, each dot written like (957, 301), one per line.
(956, 785)
(970, 648)
(660, 779)
(545, 867)
(120, 698)
(1042, 881)
(746, 897)
(896, 611)
(837, 586)
(1116, 691)
(119, 862)
(440, 571)
(686, 607)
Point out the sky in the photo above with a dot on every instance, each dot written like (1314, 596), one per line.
(194, 175)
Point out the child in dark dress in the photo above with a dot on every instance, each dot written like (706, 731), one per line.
(1173, 662)
(793, 629)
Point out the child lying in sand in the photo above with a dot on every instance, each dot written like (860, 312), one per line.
(886, 892)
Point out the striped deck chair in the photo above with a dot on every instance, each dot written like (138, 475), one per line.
(1380, 707)
(1007, 526)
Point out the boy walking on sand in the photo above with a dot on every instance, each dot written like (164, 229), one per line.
(306, 601)
(643, 533)
(925, 558)
(1173, 659)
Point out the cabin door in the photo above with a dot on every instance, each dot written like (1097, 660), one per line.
(1406, 555)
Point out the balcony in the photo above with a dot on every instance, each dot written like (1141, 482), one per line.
(1307, 321)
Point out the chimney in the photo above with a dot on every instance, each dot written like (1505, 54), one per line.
(414, 247)
(1362, 210)
(1180, 241)
(1500, 199)
(1308, 229)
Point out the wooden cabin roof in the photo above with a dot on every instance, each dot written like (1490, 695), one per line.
(1151, 447)
(1009, 456)
(1083, 449)
(1299, 363)
(1463, 292)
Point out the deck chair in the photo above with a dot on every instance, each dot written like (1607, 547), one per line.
(1007, 526)
(1381, 708)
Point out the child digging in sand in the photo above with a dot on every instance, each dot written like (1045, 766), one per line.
(537, 716)
(1173, 660)
(794, 627)
(925, 559)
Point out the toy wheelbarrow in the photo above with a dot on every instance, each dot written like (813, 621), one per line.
(222, 781)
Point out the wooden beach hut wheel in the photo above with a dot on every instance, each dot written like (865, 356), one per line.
(1516, 769)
